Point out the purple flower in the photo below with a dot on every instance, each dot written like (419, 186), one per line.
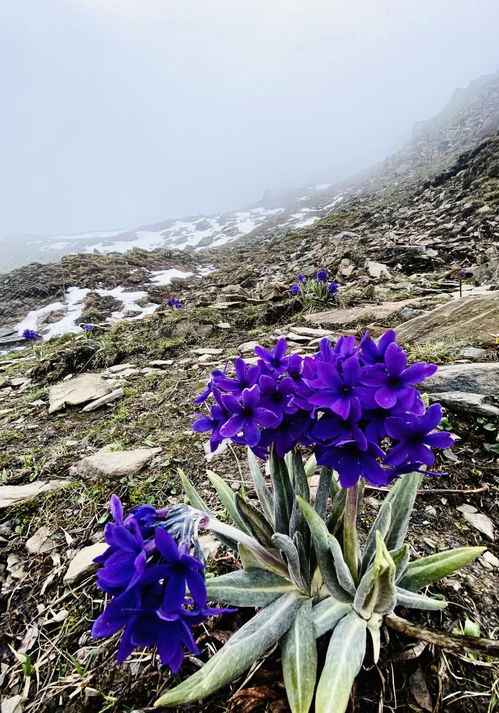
(333, 288)
(286, 436)
(174, 302)
(124, 560)
(465, 273)
(246, 376)
(294, 289)
(392, 380)
(30, 335)
(352, 462)
(246, 416)
(301, 278)
(322, 275)
(373, 353)
(276, 396)
(274, 361)
(219, 415)
(180, 571)
(415, 437)
(340, 392)
(87, 327)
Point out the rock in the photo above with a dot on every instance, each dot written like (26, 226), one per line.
(351, 315)
(224, 325)
(247, 347)
(466, 507)
(113, 464)
(312, 331)
(40, 542)
(13, 704)
(377, 270)
(209, 545)
(480, 378)
(160, 363)
(82, 562)
(107, 399)
(481, 522)
(299, 338)
(465, 401)
(80, 390)
(475, 318)
(13, 494)
(120, 367)
(491, 559)
(409, 313)
(207, 350)
(472, 353)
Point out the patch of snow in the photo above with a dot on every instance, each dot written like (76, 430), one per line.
(72, 306)
(164, 277)
(335, 202)
(203, 271)
(321, 186)
(306, 222)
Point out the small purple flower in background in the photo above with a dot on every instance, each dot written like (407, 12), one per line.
(301, 278)
(465, 273)
(174, 302)
(322, 275)
(333, 288)
(294, 289)
(30, 335)
(87, 327)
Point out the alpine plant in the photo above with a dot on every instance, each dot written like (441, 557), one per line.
(355, 407)
(319, 288)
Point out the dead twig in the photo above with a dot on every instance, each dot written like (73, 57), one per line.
(449, 642)
(438, 491)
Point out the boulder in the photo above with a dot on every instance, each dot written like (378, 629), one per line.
(481, 378)
(465, 401)
(84, 388)
(475, 318)
(351, 315)
(113, 464)
(13, 494)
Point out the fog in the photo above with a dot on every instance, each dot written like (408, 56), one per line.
(117, 113)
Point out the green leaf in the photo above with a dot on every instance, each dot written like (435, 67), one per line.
(401, 499)
(299, 660)
(192, 494)
(283, 493)
(323, 490)
(248, 588)
(376, 591)
(327, 613)
(290, 551)
(254, 520)
(320, 536)
(246, 646)
(335, 518)
(228, 498)
(342, 571)
(381, 525)
(427, 570)
(345, 654)
(251, 560)
(300, 487)
(264, 495)
(310, 466)
(411, 600)
(400, 558)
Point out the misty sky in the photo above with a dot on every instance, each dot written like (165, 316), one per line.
(117, 113)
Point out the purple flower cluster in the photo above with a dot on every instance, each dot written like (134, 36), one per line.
(355, 404)
(174, 303)
(147, 573)
(320, 281)
(87, 327)
(31, 336)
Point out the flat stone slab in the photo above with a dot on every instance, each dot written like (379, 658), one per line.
(350, 315)
(84, 388)
(480, 378)
(465, 401)
(113, 464)
(475, 318)
(83, 562)
(14, 494)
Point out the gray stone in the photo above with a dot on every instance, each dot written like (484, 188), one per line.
(247, 347)
(351, 315)
(83, 562)
(80, 390)
(113, 464)
(40, 542)
(472, 353)
(377, 270)
(207, 350)
(108, 398)
(13, 494)
(471, 378)
(465, 401)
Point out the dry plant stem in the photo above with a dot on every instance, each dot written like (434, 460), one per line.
(350, 537)
(438, 491)
(449, 642)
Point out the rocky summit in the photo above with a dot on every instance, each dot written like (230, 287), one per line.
(412, 245)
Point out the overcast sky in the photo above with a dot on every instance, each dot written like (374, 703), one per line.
(117, 113)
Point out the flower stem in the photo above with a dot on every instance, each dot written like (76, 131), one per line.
(350, 537)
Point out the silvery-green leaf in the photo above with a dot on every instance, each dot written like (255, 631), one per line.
(323, 490)
(427, 570)
(411, 600)
(194, 497)
(342, 571)
(247, 645)
(335, 519)
(345, 654)
(228, 498)
(254, 520)
(327, 613)
(376, 591)
(283, 493)
(401, 498)
(320, 537)
(381, 525)
(310, 466)
(401, 560)
(299, 660)
(298, 475)
(288, 549)
(374, 627)
(304, 555)
(251, 559)
(248, 588)
(264, 495)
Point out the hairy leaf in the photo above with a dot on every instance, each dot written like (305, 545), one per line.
(335, 519)
(283, 493)
(401, 560)
(323, 490)
(247, 645)
(250, 559)
(344, 658)
(248, 588)
(376, 591)
(288, 549)
(264, 495)
(327, 613)
(401, 499)
(299, 660)
(228, 498)
(342, 571)
(194, 497)
(431, 569)
(256, 523)
(381, 525)
(411, 600)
